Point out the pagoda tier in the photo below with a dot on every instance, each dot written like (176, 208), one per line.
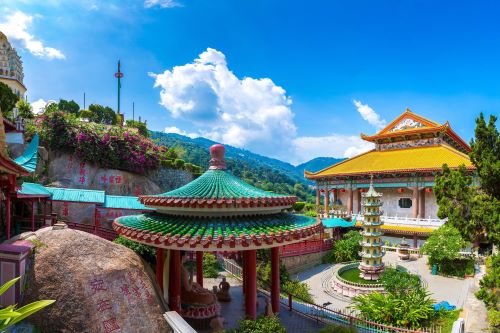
(217, 211)
(371, 265)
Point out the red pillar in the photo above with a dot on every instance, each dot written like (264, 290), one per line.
(199, 267)
(358, 205)
(317, 197)
(7, 212)
(349, 200)
(335, 196)
(44, 212)
(159, 267)
(415, 202)
(244, 270)
(251, 284)
(275, 279)
(174, 285)
(32, 215)
(327, 202)
(421, 204)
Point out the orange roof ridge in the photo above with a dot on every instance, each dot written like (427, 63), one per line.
(408, 114)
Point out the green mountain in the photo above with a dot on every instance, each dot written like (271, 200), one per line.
(264, 172)
(317, 164)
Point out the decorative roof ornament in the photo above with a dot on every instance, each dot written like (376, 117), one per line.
(217, 157)
(371, 191)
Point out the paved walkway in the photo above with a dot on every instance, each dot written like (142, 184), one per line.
(234, 311)
(458, 292)
(475, 312)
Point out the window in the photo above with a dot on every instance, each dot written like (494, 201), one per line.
(404, 203)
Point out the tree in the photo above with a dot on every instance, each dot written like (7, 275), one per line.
(345, 249)
(474, 208)
(444, 244)
(69, 106)
(406, 304)
(24, 108)
(141, 127)
(486, 155)
(211, 267)
(102, 114)
(7, 99)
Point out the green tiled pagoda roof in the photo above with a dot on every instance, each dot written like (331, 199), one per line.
(217, 184)
(218, 189)
(227, 232)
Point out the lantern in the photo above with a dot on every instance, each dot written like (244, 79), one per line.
(363, 190)
(428, 189)
(342, 190)
(334, 190)
(401, 190)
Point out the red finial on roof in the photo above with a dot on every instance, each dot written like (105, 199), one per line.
(217, 161)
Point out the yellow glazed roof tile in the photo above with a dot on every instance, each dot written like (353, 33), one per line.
(402, 160)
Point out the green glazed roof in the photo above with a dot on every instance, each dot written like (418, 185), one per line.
(218, 184)
(225, 226)
(123, 202)
(33, 189)
(76, 195)
(29, 157)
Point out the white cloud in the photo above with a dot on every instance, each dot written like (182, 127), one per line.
(335, 145)
(252, 113)
(369, 115)
(39, 106)
(15, 27)
(162, 3)
(248, 112)
(177, 130)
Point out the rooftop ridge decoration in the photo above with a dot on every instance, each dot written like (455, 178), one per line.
(411, 125)
(217, 157)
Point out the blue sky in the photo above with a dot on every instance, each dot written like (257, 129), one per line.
(280, 78)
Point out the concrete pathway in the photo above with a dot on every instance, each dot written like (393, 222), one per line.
(458, 292)
(234, 311)
(475, 313)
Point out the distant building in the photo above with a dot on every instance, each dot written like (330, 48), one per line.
(408, 155)
(11, 67)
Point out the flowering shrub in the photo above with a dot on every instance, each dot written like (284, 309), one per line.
(111, 147)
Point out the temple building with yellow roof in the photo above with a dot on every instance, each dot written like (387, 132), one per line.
(408, 154)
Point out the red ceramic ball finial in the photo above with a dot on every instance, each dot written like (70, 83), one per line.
(217, 161)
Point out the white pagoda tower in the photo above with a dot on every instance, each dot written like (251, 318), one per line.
(371, 265)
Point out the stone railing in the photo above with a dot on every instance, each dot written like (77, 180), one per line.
(408, 221)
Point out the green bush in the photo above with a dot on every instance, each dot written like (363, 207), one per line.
(179, 164)
(298, 206)
(261, 325)
(211, 266)
(489, 292)
(148, 253)
(311, 213)
(345, 249)
(406, 304)
(299, 290)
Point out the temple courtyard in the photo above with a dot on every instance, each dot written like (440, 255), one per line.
(458, 292)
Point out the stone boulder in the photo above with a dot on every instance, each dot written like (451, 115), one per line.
(66, 170)
(98, 286)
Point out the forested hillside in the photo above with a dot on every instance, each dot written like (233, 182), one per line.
(260, 171)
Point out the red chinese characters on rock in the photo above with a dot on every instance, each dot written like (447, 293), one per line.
(111, 180)
(110, 325)
(81, 173)
(70, 164)
(97, 285)
(104, 305)
(65, 209)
